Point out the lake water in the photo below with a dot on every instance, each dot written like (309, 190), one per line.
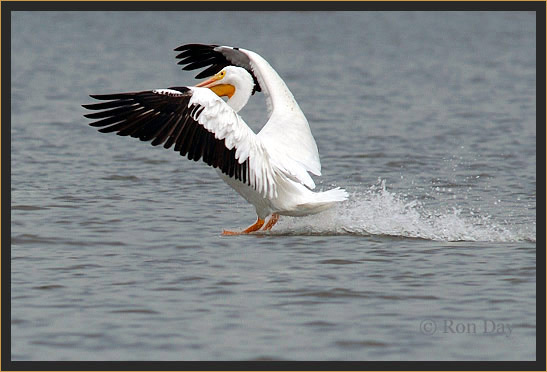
(427, 119)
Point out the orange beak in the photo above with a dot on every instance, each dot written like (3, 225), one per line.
(207, 83)
(220, 90)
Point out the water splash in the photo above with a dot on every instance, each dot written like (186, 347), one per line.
(377, 211)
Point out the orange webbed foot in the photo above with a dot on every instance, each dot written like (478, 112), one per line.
(254, 227)
(273, 220)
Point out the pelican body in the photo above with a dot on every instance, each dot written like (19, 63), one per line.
(269, 169)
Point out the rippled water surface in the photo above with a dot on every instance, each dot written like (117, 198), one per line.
(427, 119)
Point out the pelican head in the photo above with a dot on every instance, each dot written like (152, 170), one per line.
(232, 82)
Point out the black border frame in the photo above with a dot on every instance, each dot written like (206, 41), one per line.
(7, 7)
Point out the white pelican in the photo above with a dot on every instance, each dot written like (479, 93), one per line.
(269, 169)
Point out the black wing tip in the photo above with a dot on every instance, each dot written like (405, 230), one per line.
(194, 46)
(185, 47)
(99, 96)
(93, 106)
(196, 56)
(110, 97)
(104, 97)
(95, 125)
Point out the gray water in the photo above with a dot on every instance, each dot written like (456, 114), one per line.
(427, 119)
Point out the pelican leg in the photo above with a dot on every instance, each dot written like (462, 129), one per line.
(256, 226)
(273, 220)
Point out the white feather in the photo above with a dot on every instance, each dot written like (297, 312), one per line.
(287, 128)
(219, 118)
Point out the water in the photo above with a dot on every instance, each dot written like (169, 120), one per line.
(427, 119)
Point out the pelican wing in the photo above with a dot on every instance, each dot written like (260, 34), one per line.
(200, 125)
(287, 133)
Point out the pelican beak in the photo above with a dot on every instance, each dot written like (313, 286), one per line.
(221, 90)
(209, 82)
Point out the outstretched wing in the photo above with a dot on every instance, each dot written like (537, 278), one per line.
(287, 130)
(200, 125)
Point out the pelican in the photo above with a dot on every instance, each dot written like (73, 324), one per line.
(269, 169)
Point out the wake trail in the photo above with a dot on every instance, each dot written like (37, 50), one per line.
(377, 211)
